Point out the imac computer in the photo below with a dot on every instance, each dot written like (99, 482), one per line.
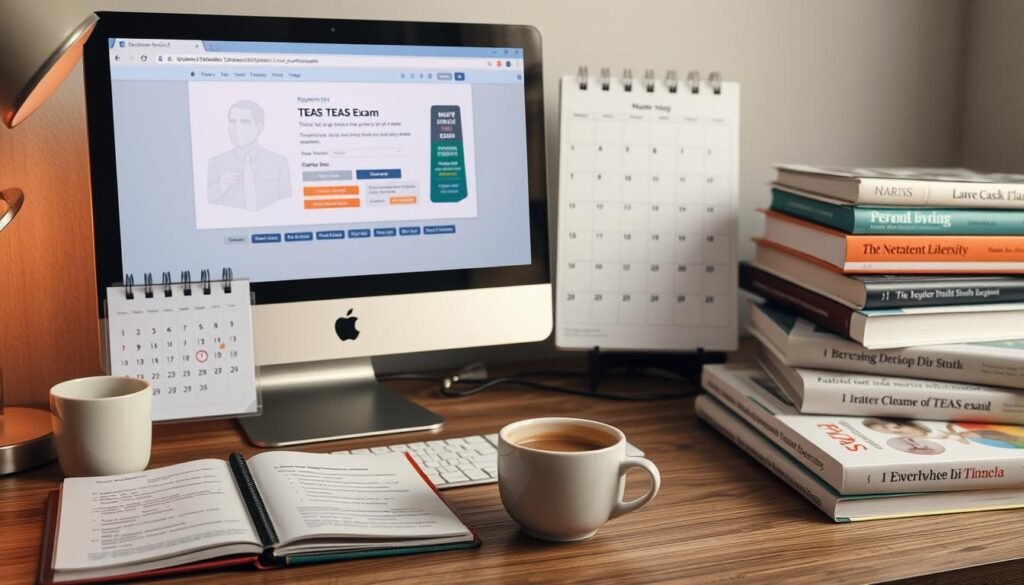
(380, 184)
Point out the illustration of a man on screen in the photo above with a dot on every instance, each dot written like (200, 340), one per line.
(248, 176)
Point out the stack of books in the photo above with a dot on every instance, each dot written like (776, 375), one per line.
(891, 367)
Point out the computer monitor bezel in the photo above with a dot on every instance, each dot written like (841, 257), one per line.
(103, 163)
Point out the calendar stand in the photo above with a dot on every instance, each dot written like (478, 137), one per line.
(686, 365)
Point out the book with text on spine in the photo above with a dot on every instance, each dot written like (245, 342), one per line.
(918, 187)
(873, 254)
(878, 219)
(885, 291)
(858, 455)
(801, 343)
(888, 328)
(824, 392)
(847, 508)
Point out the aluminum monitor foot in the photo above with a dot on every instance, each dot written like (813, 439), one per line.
(304, 406)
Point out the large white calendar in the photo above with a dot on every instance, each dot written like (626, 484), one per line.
(191, 342)
(647, 214)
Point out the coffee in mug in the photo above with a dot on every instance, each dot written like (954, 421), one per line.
(563, 478)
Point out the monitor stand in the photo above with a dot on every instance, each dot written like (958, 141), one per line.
(327, 401)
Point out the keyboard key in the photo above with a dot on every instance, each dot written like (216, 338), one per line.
(454, 476)
(476, 474)
(378, 450)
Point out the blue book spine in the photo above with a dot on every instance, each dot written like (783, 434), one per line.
(906, 221)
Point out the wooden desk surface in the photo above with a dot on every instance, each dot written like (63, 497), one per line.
(720, 517)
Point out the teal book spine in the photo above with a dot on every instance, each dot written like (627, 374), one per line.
(905, 221)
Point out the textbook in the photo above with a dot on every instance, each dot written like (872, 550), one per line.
(278, 508)
(886, 291)
(823, 392)
(877, 219)
(895, 254)
(887, 328)
(858, 455)
(917, 187)
(847, 508)
(802, 344)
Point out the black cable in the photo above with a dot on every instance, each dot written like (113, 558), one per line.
(447, 386)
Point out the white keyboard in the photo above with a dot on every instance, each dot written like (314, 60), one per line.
(461, 461)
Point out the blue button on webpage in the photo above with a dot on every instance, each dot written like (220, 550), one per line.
(358, 233)
(384, 232)
(379, 174)
(298, 237)
(331, 235)
(266, 238)
(438, 229)
(409, 231)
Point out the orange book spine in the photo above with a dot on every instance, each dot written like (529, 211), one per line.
(935, 249)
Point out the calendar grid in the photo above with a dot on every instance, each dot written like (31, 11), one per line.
(194, 349)
(647, 219)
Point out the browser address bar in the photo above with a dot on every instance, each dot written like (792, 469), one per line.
(324, 61)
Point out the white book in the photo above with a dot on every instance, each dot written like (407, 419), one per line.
(801, 343)
(847, 508)
(823, 392)
(932, 187)
(874, 455)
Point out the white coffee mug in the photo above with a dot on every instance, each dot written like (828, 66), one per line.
(102, 425)
(567, 495)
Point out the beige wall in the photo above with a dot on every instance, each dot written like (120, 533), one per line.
(839, 81)
(993, 121)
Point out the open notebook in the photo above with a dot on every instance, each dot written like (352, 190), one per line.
(278, 508)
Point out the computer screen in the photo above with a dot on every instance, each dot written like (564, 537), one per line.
(289, 161)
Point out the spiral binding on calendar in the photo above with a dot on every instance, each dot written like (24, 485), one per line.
(650, 83)
(167, 284)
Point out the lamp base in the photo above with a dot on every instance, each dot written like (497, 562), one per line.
(26, 439)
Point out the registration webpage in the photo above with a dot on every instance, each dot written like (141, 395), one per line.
(291, 161)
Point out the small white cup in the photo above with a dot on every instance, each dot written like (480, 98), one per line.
(567, 495)
(102, 425)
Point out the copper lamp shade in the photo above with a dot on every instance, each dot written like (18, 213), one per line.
(40, 43)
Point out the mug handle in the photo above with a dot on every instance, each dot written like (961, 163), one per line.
(652, 470)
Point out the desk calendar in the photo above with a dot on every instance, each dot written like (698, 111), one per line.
(192, 343)
(647, 228)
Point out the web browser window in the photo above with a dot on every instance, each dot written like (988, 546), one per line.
(292, 161)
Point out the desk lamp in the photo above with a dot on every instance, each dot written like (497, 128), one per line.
(40, 43)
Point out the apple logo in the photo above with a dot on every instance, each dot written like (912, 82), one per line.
(345, 327)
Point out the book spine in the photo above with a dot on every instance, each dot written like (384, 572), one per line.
(854, 395)
(838, 216)
(934, 249)
(926, 362)
(874, 191)
(927, 221)
(757, 447)
(810, 305)
(253, 500)
(926, 293)
(989, 473)
(810, 455)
